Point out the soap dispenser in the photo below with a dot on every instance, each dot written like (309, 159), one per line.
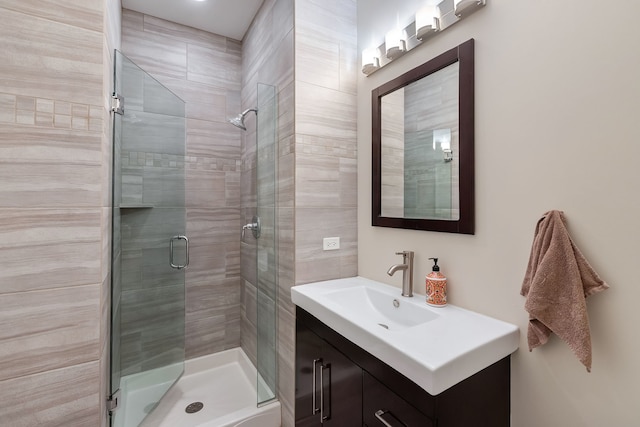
(436, 286)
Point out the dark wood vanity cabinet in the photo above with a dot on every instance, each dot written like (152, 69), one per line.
(328, 384)
(380, 404)
(354, 388)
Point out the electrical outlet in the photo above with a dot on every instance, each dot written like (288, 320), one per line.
(330, 243)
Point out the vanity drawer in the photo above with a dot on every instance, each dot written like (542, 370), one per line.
(381, 405)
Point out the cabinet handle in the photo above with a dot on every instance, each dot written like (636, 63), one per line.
(315, 409)
(380, 413)
(324, 417)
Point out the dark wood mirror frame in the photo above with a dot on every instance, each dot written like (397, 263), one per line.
(464, 55)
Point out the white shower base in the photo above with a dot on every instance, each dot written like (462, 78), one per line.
(224, 382)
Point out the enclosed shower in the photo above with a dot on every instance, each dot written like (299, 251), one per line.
(153, 382)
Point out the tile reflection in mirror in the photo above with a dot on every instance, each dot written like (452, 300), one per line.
(419, 146)
(423, 146)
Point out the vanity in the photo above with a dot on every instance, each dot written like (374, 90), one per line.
(365, 356)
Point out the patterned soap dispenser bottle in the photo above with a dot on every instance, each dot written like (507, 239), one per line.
(436, 286)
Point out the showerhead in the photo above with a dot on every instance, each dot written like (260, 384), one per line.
(238, 121)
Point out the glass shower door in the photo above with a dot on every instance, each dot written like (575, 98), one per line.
(150, 250)
(267, 261)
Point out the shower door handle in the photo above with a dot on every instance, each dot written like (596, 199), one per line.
(186, 260)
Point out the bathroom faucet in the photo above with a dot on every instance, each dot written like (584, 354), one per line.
(407, 272)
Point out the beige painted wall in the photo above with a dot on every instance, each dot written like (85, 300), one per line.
(556, 128)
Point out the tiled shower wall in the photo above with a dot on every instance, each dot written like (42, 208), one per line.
(267, 58)
(55, 156)
(55, 165)
(392, 163)
(439, 179)
(204, 70)
(316, 176)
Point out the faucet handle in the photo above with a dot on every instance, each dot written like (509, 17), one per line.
(405, 255)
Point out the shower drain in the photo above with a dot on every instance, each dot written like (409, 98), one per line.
(194, 407)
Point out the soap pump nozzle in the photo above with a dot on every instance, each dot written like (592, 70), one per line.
(435, 264)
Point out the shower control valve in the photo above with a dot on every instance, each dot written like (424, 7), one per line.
(254, 226)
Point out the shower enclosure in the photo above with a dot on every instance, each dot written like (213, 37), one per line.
(150, 249)
(266, 251)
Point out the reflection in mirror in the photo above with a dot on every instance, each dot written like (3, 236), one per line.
(419, 125)
(423, 146)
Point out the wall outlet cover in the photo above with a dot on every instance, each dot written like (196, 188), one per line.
(330, 243)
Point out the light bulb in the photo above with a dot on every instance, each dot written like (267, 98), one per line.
(394, 44)
(427, 21)
(370, 60)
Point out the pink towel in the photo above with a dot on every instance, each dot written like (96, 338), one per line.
(557, 281)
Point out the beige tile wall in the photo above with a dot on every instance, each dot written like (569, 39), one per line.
(317, 153)
(55, 146)
(317, 166)
(325, 139)
(54, 211)
(267, 57)
(204, 70)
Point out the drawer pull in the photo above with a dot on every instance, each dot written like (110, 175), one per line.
(324, 417)
(315, 409)
(396, 422)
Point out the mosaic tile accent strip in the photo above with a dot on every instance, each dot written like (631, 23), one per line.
(49, 113)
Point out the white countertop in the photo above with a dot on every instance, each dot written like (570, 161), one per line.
(436, 347)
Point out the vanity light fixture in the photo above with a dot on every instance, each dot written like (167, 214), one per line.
(395, 44)
(370, 60)
(463, 7)
(427, 22)
(448, 154)
(443, 138)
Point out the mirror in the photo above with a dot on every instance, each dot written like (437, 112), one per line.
(423, 124)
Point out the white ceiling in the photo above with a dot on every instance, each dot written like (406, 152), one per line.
(230, 18)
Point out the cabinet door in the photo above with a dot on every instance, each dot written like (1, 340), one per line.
(381, 407)
(308, 350)
(328, 384)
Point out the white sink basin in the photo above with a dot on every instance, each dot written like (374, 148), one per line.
(375, 306)
(434, 347)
